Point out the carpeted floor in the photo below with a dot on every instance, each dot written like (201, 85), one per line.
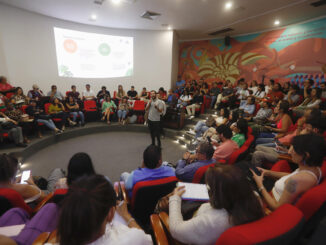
(112, 153)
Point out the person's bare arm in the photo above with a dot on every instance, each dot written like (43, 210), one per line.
(7, 240)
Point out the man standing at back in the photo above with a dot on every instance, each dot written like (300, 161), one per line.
(154, 107)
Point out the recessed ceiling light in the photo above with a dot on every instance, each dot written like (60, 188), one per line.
(116, 1)
(169, 28)
(93, 17)
(228, 5)
(276, 22)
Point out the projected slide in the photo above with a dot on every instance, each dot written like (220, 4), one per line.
(90, 55)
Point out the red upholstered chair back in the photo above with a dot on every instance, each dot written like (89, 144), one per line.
(15, 199)
(241, 153)
(90, 105)
(114, 95)
(46, 107)
(200, 174)
(9, 95)
(257, 107)
(145, 195)
(139, 105)
(280, 227)
(282, 166)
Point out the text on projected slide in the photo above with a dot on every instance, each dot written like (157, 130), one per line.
(90, 55)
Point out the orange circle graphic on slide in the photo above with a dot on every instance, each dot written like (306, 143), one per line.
(70, 46)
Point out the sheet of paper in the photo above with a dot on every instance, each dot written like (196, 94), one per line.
(194, 192)
(12, 230)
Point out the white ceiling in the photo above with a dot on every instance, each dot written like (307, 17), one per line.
(192, 19)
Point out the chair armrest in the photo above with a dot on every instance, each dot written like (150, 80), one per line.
(53, 237)
(164, 217)
(42, 238)
(124, 191)
(285, 157)
(158, 230)
(44, 201)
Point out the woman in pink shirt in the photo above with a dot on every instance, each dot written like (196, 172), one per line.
(4, 85)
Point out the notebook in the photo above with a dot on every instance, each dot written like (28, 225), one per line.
(194, 192)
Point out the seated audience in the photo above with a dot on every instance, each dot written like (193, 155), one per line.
(21, 119)
(293, 95)
(57, 110)
(263, 113)
(5, 87)
(243, 92)
(123, 110)
(20, 98)
(88, 94)
(121, 93)
(226, 96)
(227, 146)
(190, 163)
(8, 171)
(144, 95)
(74, 110)
(323, 91)
(253, 87)
(54, 93)
(247, 107)
(108, 107)
(3, 101)
(132, 93)
(15, 132)
(311, 101)
(162, 94)
(260, 93)
(286, 87)
(35, 93)
(38, 116)
(283, 125)
(270, 86)
(275, 94)
(194, 104)
(180, 84)
(270, 154)
(184, 99)
(213, 93)
(73, 93)
(93, 201)
(289, 187)
(240, 130)
(172, 99)
(102, 94)
(232, 202)
(151, 169)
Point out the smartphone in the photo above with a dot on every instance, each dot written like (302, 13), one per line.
(25, 176)
(120, 195)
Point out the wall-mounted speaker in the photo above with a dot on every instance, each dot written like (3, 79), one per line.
(227, 40)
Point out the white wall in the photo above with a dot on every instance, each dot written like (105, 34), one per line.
(175, 59)
(27, 53)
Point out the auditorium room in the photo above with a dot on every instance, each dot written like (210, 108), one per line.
(162, 122)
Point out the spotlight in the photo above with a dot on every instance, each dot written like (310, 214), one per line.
(116, 1)
(169, 28)
(228, 5)
(276, 22)
(93, 17)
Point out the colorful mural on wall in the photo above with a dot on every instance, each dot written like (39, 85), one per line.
(295, 52)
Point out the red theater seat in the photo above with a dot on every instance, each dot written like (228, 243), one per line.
(280, 227)
(200, 174)
(15, 199)
(90, 105)
(139, 105)
(145, 195)
(46, 109)
(241, 153)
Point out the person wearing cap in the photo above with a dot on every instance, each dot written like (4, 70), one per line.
(35, 93)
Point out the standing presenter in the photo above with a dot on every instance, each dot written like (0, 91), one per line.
(155, 108)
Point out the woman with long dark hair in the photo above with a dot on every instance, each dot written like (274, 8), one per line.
(231, 202)
(87, 212)
(308, 152)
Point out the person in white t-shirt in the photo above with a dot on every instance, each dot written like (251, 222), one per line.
(88, 94)
(88, 216)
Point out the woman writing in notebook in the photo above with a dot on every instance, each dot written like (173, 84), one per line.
(289, 187)
(231, 202)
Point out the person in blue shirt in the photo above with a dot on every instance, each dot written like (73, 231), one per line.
(151, 169)
(248, 106)
(190, 163)
(180, 85)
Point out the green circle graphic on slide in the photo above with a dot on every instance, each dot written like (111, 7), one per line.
(104, 49)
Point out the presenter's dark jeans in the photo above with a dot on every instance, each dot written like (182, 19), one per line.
(154, 129)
